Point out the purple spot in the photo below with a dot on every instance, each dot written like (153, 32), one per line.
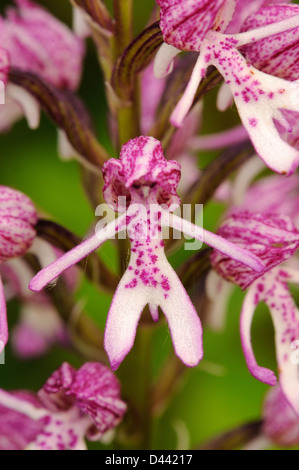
(165, 283)
(132, 284)
(253, 122)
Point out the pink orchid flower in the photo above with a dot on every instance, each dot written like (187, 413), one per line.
(142, 185)
(274, 238)
(71, 405)
(263, 100)
(37, 42)
(17, 220)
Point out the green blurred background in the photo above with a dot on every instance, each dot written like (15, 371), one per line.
(219, 394)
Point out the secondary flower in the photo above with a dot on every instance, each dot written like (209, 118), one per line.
(39, 326)
(17, 220)
(39, 43)
(275, 239)
(71, 405)
(263, 100)
(142, 185)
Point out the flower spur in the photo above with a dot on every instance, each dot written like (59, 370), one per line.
(142, 186)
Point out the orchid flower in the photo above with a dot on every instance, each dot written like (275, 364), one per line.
(263, 100)
(142, 185)
(17, 220)
(274, 239)
(35, 334)
(37, 42)
(71, 405)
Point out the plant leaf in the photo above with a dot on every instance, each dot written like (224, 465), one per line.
(134, 59)
(66, 111)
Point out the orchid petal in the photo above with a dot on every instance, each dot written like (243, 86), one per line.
(65, 149)
(218, 291)
(272, 238)
(281, 423)
(38, 42)
(154, 311)
(4, 67)
(164, 60)
(277, 55)
(126, 308)
(222, 139)
(217, 242)
(15, 403)
(249, 305)
(273, 290)
(81, 26)
(184, 24)
(265, 31)
(183, 321)
(27, 103)
(46, 275)
(185, 103)
(225, 98)
(260, 98)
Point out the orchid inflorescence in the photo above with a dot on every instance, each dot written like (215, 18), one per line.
(156, 110)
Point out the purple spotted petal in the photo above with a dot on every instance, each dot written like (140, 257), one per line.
(273, 195)
(16, 429)
(272, 289)
(97, 393)
(185, 23)
(244, 9)
(53, 394)
(281, 424)
(261, 99)
(279, 54)
(93, 389)
(38, 42)
(150, 279)
(141, 162)
(17, 220)
(272, 238)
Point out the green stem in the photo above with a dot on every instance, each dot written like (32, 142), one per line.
(135, 376)
(123, 13)
(129, 117)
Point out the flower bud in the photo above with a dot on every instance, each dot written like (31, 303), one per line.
(17, 220)
(272, 238)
